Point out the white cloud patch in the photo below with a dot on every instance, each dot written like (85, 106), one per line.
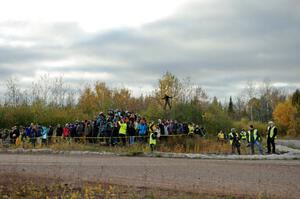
(219, 44)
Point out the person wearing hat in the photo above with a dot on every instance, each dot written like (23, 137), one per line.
(271, 135)
(235, 141)
(254, 139)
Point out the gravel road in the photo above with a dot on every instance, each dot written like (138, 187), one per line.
(280, 179)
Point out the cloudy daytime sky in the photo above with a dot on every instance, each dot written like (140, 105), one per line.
(219, 44)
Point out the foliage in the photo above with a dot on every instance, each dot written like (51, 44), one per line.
(37, 113)
(285, 114)
(169, 85)
(244, 123)
(216, 119)
(230, 108)
(51, 101)
(296, 100)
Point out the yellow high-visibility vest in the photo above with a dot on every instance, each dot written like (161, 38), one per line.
(271, 131)
(221, 136)
(123, 128)
(254, 135)
(191, 129)
(151, 140)
(243, 135)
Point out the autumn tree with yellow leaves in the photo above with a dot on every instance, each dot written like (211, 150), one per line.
(285, 115)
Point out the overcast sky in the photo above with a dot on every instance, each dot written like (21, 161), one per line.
(220, 44)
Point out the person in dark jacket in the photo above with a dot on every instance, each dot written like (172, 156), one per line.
(271, 136)
(50, 134)
(131, 131)
(254, 139)
(234, 141)
(115, 133)
(167, 101)
(33, 134)
(59, 132)
(15, 133)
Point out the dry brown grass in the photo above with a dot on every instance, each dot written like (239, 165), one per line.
(176, 144)
(194, 145)
(18, 187)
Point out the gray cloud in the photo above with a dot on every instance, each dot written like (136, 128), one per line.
(220, 45)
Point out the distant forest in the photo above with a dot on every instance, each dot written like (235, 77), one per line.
(51, 102)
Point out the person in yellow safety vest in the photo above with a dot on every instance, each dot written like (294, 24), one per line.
(254, 139)
(191, 129)
(243, 136)
(221, 137)
(153, 140)
(123, 130)
(271, 136)
(234, 141)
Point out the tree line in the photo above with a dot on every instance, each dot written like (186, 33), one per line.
(51, 101)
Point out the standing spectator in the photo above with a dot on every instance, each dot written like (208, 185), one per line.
(15, 133)
(131, 131)
(28, 130)
(66, 132)
(234, 141)
(123, 131)
(115, 133)
(191, 129)
(101, 120)
(87, 130)
(175, 127)
(198, 131)
(221, 137)
(271, 136)
(161, 127)
(44, 134)
(254, 139)
(95, 131)
(108, 129)
(243, 136)
(153, 140)
(142, 130)
(59, 130)
(185, 128)
(80, 130)
(33, 134)
(50, 134)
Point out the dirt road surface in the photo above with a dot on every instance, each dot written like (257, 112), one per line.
(278, 178)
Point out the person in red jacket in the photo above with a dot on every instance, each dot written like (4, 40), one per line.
(66, 131)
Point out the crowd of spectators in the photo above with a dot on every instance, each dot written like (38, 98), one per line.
(113, 128)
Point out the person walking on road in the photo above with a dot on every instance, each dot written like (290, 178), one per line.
(271, 136)
(254, 139)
